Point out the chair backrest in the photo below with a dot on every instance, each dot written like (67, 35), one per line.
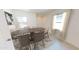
(37, 36)
(14, 34)
(24, 39)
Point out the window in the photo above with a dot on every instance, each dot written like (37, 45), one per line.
(59, 21)
(22, 21)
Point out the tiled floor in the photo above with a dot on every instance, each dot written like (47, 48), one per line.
(59, 45)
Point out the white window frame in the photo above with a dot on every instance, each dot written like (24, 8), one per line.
(62, 22)
(22, 23)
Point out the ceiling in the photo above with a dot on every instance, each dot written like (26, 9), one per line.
(38, 10)
(43, 11)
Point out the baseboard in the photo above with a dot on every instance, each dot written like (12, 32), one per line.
(70, 44)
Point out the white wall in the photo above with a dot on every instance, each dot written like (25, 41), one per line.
(45, 21)
(48, 21)
(4, 33)
(73, 29)
(31, 17)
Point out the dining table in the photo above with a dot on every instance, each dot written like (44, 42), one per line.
(25, 31)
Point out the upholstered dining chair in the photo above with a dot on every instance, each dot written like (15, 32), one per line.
(24, 41)
(14, 34)
(46, 35)
(36, 37)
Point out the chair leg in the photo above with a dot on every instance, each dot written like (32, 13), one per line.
(20, 48)
(43, 43)
(30, 47)
(27, 47)
(36, 46)
(48, 37)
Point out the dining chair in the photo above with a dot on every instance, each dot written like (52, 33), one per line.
(46, 35)
(36, 37)
(24, 41)
(14, 34)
